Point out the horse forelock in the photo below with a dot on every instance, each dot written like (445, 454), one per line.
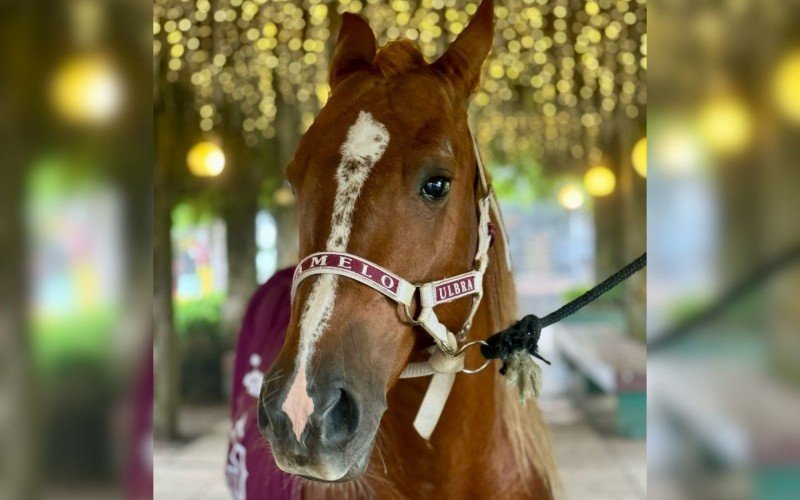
(398, 57)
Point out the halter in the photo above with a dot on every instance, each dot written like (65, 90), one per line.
(447, 356)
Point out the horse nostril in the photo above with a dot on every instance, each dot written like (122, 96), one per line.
(341, 419)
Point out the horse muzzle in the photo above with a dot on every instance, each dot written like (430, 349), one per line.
(333, 442)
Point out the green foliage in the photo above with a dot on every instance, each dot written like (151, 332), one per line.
(192, 212)
(85, 335)
(54, 176)
(75, 400)
(198, 325)
(201, 365)
(522, 180)
(202, 314)
(76, 385)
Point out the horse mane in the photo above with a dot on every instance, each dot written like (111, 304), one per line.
(523, 424)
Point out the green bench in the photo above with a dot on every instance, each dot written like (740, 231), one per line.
(606, 361)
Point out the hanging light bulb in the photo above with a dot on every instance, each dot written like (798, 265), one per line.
(206, 159)
(87, 89)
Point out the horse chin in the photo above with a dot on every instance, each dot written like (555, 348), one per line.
(333, 474)
(354, 473)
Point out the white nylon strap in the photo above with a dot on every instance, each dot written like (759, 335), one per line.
(481, 169)
(498, 217)
(430, 323)
(356, 268)
(433, 403)
(443, 367)
(449, 289)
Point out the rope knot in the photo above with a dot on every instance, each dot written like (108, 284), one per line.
(522, 335)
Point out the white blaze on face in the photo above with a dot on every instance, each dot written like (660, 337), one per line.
(366, 141)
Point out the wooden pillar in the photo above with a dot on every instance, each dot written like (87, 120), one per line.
(239, 214)
(166, 353)
(633, 191)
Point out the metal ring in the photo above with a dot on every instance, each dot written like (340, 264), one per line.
(464, 347)
(476, 370)
(409, 317)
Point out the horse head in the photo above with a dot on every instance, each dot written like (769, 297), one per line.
(387, 172)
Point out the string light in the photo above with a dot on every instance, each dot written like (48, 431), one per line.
(558, 69)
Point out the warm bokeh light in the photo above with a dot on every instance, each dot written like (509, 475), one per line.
(206, 159)
(599, 181)
(725, 124)
(570, 197)
(639, 157)
(87, 89)
(678, 149)
(284, 197)
(558, 71)
(786, 86)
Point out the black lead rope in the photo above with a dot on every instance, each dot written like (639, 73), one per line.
(525, 333)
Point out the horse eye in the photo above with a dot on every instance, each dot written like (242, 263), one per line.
(435, 188)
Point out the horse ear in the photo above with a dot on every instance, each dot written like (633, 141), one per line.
(355, 48)
(462, 62)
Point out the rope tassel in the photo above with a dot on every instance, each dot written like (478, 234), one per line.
(523, 372)
(517, 346)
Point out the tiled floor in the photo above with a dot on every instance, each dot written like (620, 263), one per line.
(194, 469)
(592, 465)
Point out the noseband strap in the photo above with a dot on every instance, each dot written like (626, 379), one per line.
(446, 359)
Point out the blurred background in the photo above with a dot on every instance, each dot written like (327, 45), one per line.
(724, 193)
(76, 124)
(560, 119)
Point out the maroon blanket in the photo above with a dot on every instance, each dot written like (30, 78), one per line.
(251, 471)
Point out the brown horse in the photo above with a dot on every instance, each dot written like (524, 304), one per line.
(388, 172)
